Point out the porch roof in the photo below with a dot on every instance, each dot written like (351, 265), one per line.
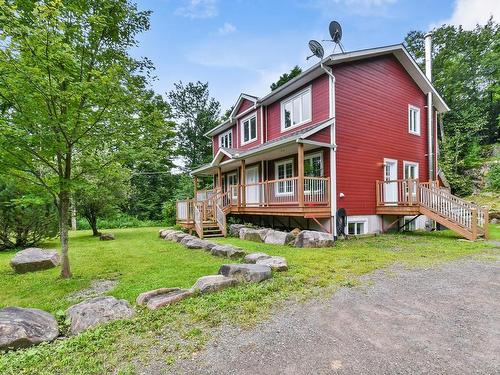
(239, 154)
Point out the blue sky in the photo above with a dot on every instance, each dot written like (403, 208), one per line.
(243, 46)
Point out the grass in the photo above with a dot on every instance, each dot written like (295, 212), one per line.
(140, 261)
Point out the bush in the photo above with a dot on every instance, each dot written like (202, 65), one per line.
(27, 215)
(120, 220)
(493, 178)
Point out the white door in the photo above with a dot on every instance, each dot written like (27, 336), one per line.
(391, 188)
(252, 192)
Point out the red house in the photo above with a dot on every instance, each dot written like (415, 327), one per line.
(348, 146)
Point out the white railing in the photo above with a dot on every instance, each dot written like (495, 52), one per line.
(184, 210)
(316, 190)
(198, 221)
(221, 219)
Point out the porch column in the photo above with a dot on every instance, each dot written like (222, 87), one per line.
(195, 182)
(242, 184)
(219, 178)
(300, 168)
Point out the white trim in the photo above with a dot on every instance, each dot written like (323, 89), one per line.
(222, 135)
(238, 103)
(315, 143)
(276, 176)
(308, 133)
(261, 125)
(418, 119)
(390, 161)
(288, 99)
(242, 132)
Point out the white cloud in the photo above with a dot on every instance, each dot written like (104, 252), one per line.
(468, 13)
(227, 28)
(360, 7)
(196, 9)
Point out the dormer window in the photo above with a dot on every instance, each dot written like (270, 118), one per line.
(226, 139)
(249, 129)
(296, 110)
(413, 120)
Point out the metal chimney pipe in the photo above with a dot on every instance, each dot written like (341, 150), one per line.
(430, 127)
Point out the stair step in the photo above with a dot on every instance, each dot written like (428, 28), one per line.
(212, 231)
(213, 235)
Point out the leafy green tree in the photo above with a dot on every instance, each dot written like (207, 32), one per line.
(102, 193)
(467, 74)
(196, 113)
(285, 77)
(27, 214)
(69, 92)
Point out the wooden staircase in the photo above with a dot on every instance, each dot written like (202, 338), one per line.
(462, 217)
(210, 215)
(411, 197)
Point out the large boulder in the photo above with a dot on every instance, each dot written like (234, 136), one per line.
(21, 328)
(154, 299)
(251, 234)
(213, 283)
(187, 238)
(179, 236)
(278, 238)
(311, 238)
(170, 236)
(207, 245)
(253, 273)
(107, 237)
(195, 243)
(234, 229)
(254, 257)
(276, 263)
(228, 251)
(34, 259)
(95, 311)
(165, 232)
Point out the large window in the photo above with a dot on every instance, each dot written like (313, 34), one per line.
(284, 169)
(249, 129)
(296, 110)
(413, 120)
(226, 139)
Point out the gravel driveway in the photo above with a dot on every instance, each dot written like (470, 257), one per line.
(442, 320)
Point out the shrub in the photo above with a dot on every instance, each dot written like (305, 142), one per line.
(27, 215)
(119, 220)
(493, 178)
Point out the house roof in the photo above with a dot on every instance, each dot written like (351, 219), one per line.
(236, 154)
(398, 50)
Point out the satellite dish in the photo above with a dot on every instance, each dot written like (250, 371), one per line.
(316, 49)
(335, 32)
(336, 35)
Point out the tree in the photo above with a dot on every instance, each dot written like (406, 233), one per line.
(466, 73)
(27, 215)
(285, 77)
(196, 113)
(69, 92)
(101, 194)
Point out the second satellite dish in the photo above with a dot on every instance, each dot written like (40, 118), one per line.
(316, 49)
(335, 32)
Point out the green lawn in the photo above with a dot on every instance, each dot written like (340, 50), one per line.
(140, 261)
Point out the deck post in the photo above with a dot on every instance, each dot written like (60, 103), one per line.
(195, 183)
(377, 189)
(300, 182)
(243, 184)
(219, 178)
(474, 223)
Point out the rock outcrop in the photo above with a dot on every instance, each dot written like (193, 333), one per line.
(253, 273)
(310, 238)
(34, 259)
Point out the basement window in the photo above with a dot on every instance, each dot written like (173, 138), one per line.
(356, 227)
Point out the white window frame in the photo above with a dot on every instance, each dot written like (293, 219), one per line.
(276, 177)
(418, 119)
(226, 134)
(356, 221)
(322, 172)
(290, 99)
(242, 130)
(233, 193)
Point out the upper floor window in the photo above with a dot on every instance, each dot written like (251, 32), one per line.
(226, 139)
(413, 120)
(296, 110)
(249, 129)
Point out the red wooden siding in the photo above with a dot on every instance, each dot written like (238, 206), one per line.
(320, 108)
(245, 104)
(321, 136)
(372, 98)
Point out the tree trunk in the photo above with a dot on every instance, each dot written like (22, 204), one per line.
(64, 204)
(93, 224)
